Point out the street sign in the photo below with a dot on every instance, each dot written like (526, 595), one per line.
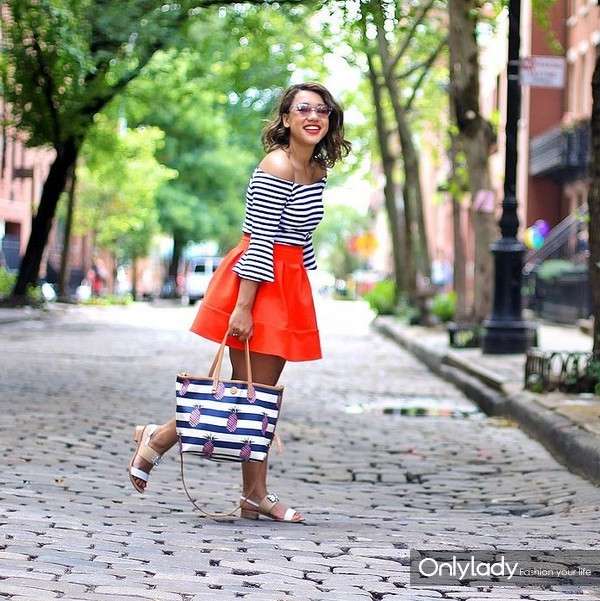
(543, 71)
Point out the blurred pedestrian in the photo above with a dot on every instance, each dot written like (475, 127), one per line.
(260, 292)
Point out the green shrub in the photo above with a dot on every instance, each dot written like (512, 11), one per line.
(381, 297)
(34, 295)
(443, 306)
(593, 372)
(7, 282)
(407, 312)
(554, 268)
(109, 299)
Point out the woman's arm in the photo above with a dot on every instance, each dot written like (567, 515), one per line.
(240, 319)
(256, 264)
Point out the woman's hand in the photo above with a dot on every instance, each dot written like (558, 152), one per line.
(240, 322)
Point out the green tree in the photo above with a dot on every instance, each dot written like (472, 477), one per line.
(211, 98)
(62, 62)
(474, 138)
(118, 180)
(332, 238)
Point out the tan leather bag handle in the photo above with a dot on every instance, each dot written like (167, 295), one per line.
(218, 361)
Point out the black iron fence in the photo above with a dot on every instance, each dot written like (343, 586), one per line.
(555, 277)
(565, 298)
(573, 372)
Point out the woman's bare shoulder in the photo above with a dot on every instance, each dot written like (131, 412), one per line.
(278, 164)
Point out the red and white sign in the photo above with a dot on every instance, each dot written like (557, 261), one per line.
(543, 71)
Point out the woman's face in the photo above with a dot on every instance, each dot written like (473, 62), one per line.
(309, 127)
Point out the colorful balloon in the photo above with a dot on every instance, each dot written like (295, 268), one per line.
(537, 239)
(542, 227)
(532, 238)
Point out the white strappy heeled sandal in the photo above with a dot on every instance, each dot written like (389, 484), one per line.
(265, 508)
(142, 436)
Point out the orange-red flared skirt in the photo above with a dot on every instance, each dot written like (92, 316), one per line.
(284, 319)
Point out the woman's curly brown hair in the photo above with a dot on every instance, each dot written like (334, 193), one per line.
(332, 148)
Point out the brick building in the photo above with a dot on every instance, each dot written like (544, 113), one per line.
(559, 141)
(22, 174)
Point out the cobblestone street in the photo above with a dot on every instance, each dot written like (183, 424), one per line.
(371, 484)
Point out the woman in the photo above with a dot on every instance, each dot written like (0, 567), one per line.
(261, 291)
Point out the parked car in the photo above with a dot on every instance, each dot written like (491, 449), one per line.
(197, 277)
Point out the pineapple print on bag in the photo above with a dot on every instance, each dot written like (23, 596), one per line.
(219, 392)
(265, 424)
(209, 446)
(251, 394)
(184, 387)
(246, 450)
(232, 420)
(195, 416)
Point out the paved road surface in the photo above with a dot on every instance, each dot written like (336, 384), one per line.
(371, 484)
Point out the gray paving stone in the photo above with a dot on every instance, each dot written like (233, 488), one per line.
(69, 518)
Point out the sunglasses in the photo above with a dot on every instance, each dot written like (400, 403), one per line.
(304, 108)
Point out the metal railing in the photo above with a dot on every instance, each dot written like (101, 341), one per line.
(556, 241)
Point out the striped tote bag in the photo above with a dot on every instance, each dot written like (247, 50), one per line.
(225, 420)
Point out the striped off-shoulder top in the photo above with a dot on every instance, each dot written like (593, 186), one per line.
(282, 211)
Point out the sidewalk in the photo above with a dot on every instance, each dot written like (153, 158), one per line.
(19, 314)
(568, 425)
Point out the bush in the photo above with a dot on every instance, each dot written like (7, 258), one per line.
(7, 282)
(593, 372)
(109, 299)
(443, 306)
(381, 297)
(407, 312)
(554, 268)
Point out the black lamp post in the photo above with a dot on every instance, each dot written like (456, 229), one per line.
(506, 331)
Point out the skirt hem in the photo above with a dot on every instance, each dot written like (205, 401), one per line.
(291, 345)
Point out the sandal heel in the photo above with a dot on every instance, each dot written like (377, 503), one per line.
(249, 514)
(137, 433)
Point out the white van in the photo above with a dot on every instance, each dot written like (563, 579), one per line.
(197, 276)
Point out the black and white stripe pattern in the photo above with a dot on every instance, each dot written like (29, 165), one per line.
(278, 210)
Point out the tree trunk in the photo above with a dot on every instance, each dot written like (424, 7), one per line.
(594, 208)
(134, 276)
(174, 263)
(389, 190)
(415, 233)
(475, 139)
(459, 272)
(66, 155)
(63, 280)
(412, 190)
(115, 273)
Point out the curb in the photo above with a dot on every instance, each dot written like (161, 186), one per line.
(17, 314)
(572, 446)
(4, 319)
(490, 400)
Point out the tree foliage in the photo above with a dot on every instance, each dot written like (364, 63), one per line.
(118, 180)
(63, 61)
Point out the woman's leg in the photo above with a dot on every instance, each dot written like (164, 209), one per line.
(266, 369)
(162, 439)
